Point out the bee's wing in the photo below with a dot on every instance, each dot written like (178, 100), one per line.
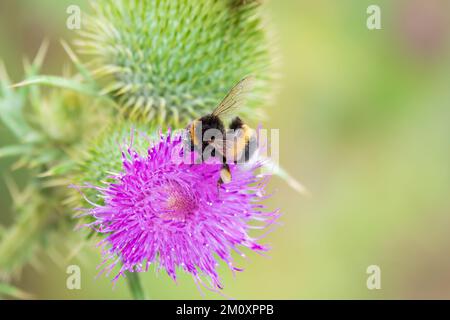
(235, 98)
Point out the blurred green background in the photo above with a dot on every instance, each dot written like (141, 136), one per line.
(364, 120)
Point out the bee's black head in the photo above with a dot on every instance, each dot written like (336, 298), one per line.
(213, 123)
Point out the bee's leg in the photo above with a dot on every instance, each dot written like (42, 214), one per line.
(219, 184)
(225, 176)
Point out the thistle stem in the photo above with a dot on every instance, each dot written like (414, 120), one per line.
(134, 283)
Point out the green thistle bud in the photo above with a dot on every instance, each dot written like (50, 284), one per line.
(103, 157)
(174, 60)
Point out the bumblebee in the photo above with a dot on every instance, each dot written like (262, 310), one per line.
(208, 135)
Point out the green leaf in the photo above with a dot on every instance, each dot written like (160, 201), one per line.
(58, 82)
(11, 116)
(11, 105)
(14, 150)
(59, 169)
(11, 291)
(20, 241)
(73, 57)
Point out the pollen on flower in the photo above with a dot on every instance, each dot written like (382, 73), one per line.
(181, 202)
(170, 214)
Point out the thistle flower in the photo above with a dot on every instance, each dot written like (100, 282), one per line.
(171, 214)
(173, 60)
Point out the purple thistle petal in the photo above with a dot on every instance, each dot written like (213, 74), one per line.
(171, 214)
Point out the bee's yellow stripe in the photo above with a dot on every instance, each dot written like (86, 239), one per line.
(192, 133)
(241, 143)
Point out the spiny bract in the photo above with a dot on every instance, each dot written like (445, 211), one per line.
(174, 60)
(102, 158)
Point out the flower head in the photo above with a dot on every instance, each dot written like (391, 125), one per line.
(173, 60)
(170, 213)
